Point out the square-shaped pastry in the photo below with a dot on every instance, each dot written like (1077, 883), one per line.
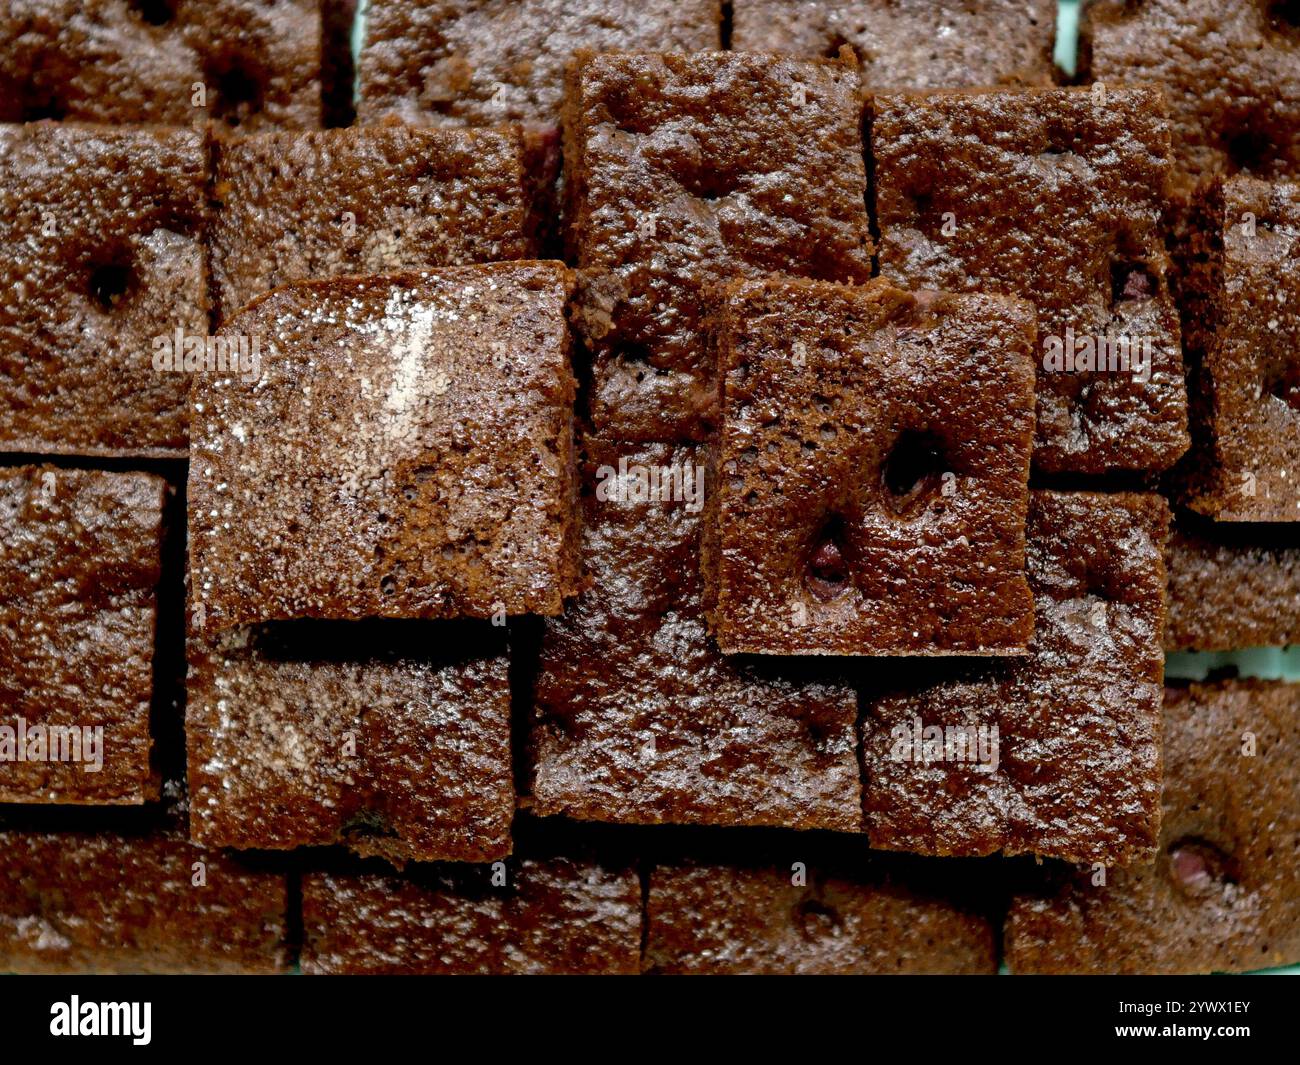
(476, 62)
(872, 471)
(1056, 753)
(101, 255)
(909, 45)
(392, 738)
(239, 63)
(1241, 318)
(1055, 195)
(401, 447)
(80, 560)
(683, 171)
(638, 717)
(297, 206)
(1223, 893)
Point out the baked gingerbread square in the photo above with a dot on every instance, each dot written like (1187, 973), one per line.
(80, 561)
(1230, 70)
(239, 63)
(124, 891)
(638, 716)
(1056, 753)
(298, 206)
(478, 62)
(873, 471)
(1241, 320)
(910, 44)
(1055, 195)
(1223, 893)
(683, 171)
(401, 447)
(1231, 586)
(541, 915)
(101, 256)
(392, 738)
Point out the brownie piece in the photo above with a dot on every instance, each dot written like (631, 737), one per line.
(299, 206)
(405, 451)
(124, 891)
(1231, 587)
(874, 467)
(1229, 68)
(540, 916)
(1057, 753)
(80, 560)
(393, 738)
(115, 62)
(715, 919)
(683, 171)
(1055, 196)
(1241, 320)
(101, 251)
(456, 62)
(1223, 893)
(910, 44)
(638, 717)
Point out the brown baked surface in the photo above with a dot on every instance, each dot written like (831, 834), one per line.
(476, 62)
(1078, 755)
(638, 716)
(80, 560)
(1050, 195)
(1231, 587)
(550, 916)
(1224, 891)
(100, 253)
(873, 469)
(116, 62)
(1241, 320)
(392, 738)
(1229, 68)
(683, 171)
(910, 44)
(375, 467)
(126, 892)
(296, 206)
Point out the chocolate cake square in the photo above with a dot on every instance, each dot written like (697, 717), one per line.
(101, 255)
(707, 918)
(1241, 320)
(910, 44)
(683, 171)
(476, 62)
(80, 561)
(1055, 195)
(1054, 754)
(403, 450)
(245, 63)
(300, 206)
(537, 916)
(1230, 70)
(1223, 893)
(638, 717)
(1231, 586)
(392, 738)
(873, 476)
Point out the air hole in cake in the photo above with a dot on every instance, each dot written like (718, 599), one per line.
(1130, 281)
(836, 42)
(109, 283)
(828, 567)
(238, 86)
(367, 824)
(1284, 14)
(1198, 866)
(1250, 148)
(913, 472)
(154, 12)
(1284, 384)
(815, 918)
(708, 183)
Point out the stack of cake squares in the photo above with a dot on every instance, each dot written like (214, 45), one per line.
(559, 489)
